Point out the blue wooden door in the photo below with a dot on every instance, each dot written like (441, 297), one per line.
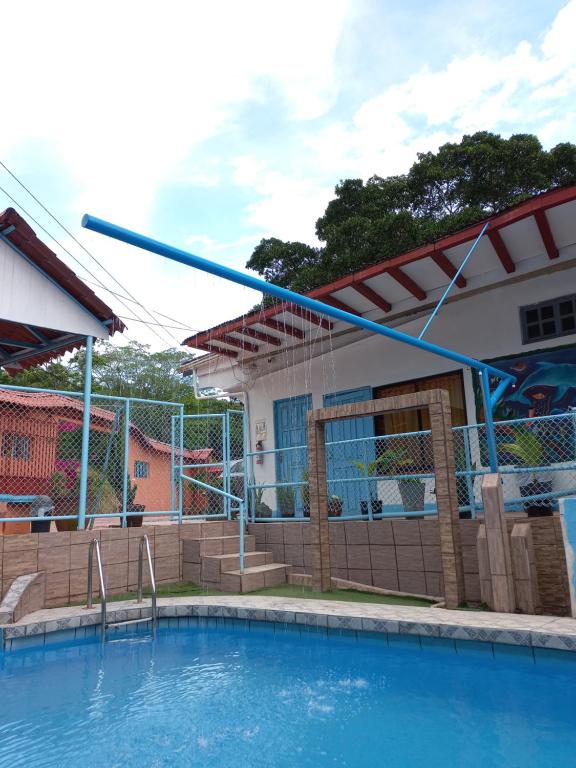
(340, 458)
(290, 431)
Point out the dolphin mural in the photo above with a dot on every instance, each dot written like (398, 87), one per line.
(560, 376)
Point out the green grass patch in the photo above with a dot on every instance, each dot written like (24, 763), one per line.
(283, 590)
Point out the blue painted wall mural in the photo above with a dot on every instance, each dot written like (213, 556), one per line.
(546, 384)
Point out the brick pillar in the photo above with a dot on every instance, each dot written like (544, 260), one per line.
(494, 554)
(319, 531)
(447, 501)
(524, 569)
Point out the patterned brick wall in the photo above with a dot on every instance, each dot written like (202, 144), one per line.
(404, 555)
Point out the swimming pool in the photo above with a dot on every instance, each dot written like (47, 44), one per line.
(214, 692)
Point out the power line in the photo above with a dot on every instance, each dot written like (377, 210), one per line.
(176, 327)
(181, 324)
(99, 282)
(83, 247)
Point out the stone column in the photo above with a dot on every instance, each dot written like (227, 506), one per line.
(524, 569)
(447, 501)
(494, 554)
(319, 530)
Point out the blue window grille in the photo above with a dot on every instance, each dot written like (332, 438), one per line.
(141, 469)
(16, 446)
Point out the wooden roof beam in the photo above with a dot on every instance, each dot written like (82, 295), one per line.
(406, 282)
(217, 350)
(334, 302)
(372, 296)
(501, 250)
(265, 337)
(442, 261)
(240, 343)
(310, 317)
(546, 234)
(281, 327)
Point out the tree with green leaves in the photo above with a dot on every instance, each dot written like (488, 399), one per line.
(443, 191)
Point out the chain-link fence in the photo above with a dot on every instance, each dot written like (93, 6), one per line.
(130, 460)
(212, 468)
(393, 475)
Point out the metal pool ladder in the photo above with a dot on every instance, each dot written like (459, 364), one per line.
(104, 623)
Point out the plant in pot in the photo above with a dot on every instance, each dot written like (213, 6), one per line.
(260, 508)
(335, 504)
(529, 452)
(66, 500)
(382, 465)
(286, 501)
(133, 520)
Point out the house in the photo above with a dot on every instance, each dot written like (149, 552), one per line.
(513, 305)
(40, 434)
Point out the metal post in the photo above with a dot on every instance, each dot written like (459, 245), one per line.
(85, 434)
(226, 463)
(245, 459)
(489, 422)
(181, 466)
(172, 463)
(126, 469)
(469, 476)
(241, 505)
(368, 482)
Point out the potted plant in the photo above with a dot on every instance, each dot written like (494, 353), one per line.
(65, 499)
(529, 452)
(133, 520)
(381, 465)
(286, 501)
(335, 506)
(260, 508)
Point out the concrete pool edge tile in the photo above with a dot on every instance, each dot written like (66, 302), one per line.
(545, 632)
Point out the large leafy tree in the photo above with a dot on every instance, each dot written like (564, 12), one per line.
(442, 192)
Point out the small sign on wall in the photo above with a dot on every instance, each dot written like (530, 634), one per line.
(261, 430)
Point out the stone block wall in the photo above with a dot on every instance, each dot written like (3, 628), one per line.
(404, 555)
(63, 558)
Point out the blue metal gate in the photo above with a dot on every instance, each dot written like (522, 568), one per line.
(340, 459)
(290, 431)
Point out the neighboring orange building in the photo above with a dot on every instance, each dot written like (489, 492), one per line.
(31, 425)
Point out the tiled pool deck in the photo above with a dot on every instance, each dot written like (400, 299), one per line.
(492, 628)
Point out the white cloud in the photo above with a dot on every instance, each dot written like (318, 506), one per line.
(125, 90)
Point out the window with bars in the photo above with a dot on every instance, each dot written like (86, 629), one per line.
(549, 319)
(16, 446)
(141, 469)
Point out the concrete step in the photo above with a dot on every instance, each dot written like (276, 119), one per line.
(214, 565)
(257, 577)
(202, 529)
(194, 549)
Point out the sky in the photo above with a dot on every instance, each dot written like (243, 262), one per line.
(211, 125)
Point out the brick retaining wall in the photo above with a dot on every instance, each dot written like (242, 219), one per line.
(405, 555)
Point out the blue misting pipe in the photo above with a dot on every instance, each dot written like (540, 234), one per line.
(456, 276)
(85, 433)
(219, 270)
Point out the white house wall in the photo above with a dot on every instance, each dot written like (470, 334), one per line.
(484, 326)
(28, 296)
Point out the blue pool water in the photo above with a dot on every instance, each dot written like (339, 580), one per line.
(235, 696)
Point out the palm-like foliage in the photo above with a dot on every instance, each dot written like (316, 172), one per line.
(526, 447)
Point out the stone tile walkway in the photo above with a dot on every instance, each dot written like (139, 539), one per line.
(535, 631)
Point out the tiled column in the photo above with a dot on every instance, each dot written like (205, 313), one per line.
(319, 531)
(496, 555)
(447, 501)
(524, 569)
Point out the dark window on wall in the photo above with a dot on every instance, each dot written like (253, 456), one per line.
(141, 469)
(549, 319)
(16, 446)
